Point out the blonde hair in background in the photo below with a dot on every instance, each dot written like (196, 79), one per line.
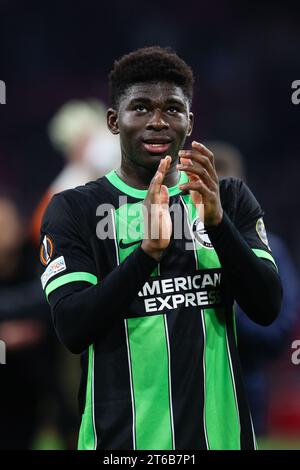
(75, 120)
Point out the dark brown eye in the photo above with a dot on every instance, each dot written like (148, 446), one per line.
(173, 109)
(140, 108)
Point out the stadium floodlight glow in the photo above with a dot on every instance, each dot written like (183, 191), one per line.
(2, 92)
(2, 352)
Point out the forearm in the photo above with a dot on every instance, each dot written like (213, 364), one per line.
(254, 282)
(81, 316)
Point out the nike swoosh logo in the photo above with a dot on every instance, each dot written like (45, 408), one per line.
(127, 245)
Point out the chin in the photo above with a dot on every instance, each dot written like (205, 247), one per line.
(153, 161)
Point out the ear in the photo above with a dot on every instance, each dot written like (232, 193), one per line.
(112, 121)
(191, 124)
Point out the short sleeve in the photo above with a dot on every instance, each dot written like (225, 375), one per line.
(249, 221)
(66, 256)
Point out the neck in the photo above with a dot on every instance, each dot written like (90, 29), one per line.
(139, 177)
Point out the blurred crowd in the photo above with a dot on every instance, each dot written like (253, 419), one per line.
(39, 383)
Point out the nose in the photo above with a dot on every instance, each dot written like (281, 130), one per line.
(156, 122)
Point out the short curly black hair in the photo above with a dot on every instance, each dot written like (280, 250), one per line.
(149, 64)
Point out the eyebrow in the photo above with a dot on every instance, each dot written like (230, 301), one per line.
(145, 99)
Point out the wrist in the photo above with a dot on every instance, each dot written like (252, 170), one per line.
(213, 223)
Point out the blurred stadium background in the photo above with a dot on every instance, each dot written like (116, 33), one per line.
(245, 56)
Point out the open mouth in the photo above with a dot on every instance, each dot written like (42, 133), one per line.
(159, 147)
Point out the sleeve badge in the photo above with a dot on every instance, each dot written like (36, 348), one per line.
(46, 250)
(262, 233)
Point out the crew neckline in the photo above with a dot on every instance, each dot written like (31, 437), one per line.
(116, 181)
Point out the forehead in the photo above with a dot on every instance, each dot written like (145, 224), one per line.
(154, 91)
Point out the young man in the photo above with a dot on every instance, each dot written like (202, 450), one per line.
(144, 292)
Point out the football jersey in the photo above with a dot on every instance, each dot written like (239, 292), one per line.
(165, 374)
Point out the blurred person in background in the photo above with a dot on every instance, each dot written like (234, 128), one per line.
(259, 346)
(79, 132)
(24, 327)
(34, 406)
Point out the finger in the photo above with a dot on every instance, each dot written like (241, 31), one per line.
(163, 167)
(188, 162)
(168, 161)
(155, 175)
(199, 186)
(157, 181)
(154, 184)
(198, 171)
(197, 157)
(201, 147)
(164, 195)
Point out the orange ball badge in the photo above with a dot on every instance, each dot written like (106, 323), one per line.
(46, 250)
